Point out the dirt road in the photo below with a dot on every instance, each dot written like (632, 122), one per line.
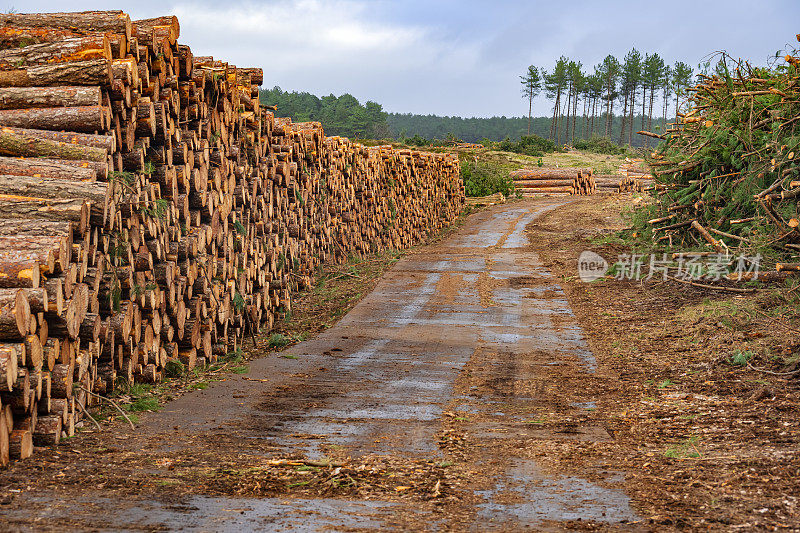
(436, 403)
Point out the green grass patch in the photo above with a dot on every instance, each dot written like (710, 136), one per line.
(145, 403)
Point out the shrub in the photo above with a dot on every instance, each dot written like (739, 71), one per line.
(483, 179)
(531, 145)
(599, 145)
(174, 368)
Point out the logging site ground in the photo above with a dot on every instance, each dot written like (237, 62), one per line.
(474, 383)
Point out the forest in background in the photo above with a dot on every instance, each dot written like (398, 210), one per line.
(344, 115)
(585, 106)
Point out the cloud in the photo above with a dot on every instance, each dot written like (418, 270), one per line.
(453, 57)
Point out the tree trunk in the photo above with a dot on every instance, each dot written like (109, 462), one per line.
(624, 117)
(48, 430)
(28, 97)
(650, 113)
(96, 192)
(93, 72)
(630, 123)
(84, 119)
(10, 355)
(20, 444)
(106, 142)
(42, 168)
(73, 210)
(19, 37)
(86, 21)
(530, 111)
(5, 456)
(574, 115)
(15, 315)
(16, 143)
(66, 51)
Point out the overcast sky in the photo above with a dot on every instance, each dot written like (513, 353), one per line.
(453, 57)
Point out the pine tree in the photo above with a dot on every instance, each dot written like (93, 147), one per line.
(666, 89)
(609, 72)
(681, 78)
(555, 83)
(531, 86)
(653, 74)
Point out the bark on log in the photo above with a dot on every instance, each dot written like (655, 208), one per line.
(10, 354)
(5, 456)
(18, 270)
(14, 142)
(94, 191)
(68, 50)
(93, 72)
(45, 168)
(48, 430)
(73, 210)
(20, 37)
(15, 314)
(28, 97)
(106, 142)
(86, 21)
(33, 228)
(20, 444)
(85, 119)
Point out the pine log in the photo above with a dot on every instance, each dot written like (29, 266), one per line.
(17, 143)
(67, 50)
(86, 21)
(10, 354)
(106, 142)
(38, 299)
(19, 270)
(15, 314)
(40, 187)
(48, 430)
(85, 119)
(61, 380)
(146, 29)
(92, 72)
(34, 228)
(39, 168)
(34, 352)
(20, 37)
(20, 444)
(73, 210)
(5, 456)
(28, 97)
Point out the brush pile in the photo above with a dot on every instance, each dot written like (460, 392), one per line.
(152, 211)
(727, 175)
(547, 180)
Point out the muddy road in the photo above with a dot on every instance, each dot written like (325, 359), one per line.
(437, 403)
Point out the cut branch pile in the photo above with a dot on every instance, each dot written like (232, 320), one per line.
(546, 180)
(727, 175)
(152, 210)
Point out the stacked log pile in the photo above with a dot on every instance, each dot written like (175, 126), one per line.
(152, 210)
(608, 183)
(547, 180)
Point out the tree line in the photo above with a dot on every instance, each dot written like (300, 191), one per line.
(585, 105)
(583, 102)
(476, 130)
(340, 115)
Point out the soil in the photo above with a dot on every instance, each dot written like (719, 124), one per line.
(479, 386)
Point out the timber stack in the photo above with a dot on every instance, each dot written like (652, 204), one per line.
(555, 181)
(152, 210)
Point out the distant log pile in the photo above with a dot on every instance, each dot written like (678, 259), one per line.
(622, 183)
(151, 210)
(547, 180)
